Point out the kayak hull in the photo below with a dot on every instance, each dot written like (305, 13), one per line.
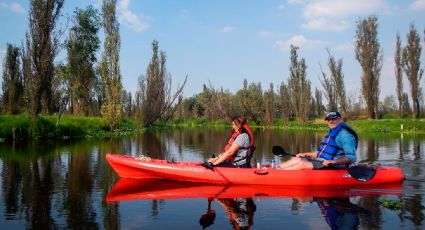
(151, 189)
(130, 167)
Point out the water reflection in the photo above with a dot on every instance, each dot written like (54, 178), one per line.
(339, 212)
(237, 201)
(240, 212)
(64, 184)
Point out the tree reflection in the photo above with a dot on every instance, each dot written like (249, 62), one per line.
(63, 185)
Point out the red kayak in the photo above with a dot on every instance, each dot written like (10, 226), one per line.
(130, 167)
(150, 189)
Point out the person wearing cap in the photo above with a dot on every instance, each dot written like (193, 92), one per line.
(337, 149)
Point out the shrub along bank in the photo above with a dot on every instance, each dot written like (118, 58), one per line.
(19, 127)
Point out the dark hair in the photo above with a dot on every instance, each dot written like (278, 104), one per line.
(239, 121)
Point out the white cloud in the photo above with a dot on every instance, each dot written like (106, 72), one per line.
(226, 29)
(264, 34)
(15, 7)
(296, 2)
(299, 41)
(326, 24)
(418, 5)
(345, 47)
(132, 20)
(341, 9)
(281, 7)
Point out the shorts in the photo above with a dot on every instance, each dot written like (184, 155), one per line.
(317, 163)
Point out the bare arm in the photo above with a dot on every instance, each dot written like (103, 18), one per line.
(225, 155)
(307, 154)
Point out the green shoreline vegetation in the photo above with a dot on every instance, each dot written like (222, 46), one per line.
(20, 127)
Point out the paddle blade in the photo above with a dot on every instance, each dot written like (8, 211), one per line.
(278, 151)
(207, 219)
(208, 165)
(361, 173)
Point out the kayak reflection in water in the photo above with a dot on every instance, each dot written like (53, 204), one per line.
(340, 213)
(240, 211)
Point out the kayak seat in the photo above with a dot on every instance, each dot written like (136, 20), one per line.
(249, 157)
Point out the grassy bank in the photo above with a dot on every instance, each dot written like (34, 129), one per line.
(44, 127)
(406, 126)
(23, 127)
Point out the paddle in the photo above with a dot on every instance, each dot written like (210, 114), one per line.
(208, 218)
(358, 172)
(207, 165)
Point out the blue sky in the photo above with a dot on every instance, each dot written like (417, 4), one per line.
(222, 42)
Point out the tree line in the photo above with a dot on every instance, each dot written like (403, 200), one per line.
(82, 86)
(294, 99)
(85, 86)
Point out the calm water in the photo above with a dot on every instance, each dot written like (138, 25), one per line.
(64, 186)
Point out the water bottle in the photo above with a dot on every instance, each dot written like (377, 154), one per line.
(273, 164)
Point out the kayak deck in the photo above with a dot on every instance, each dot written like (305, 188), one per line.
(130, 167)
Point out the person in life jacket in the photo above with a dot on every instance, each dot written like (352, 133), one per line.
(240, 210)
(338, 148)
(239, 148)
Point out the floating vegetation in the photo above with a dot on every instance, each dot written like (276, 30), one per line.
(391, 204)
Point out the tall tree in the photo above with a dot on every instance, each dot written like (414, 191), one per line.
(329, 91)
(12, 81)
(43, 45)
(110, 66)
(270, 107)
(338, 82)
(157, 101)
(412, 63)
(82, 46)
(369, 55)
(27, 75)
(300, 86)
(285, 102)
(398, 69)
(251, 101)
(319, 102)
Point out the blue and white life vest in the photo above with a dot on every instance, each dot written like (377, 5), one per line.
(328, 148)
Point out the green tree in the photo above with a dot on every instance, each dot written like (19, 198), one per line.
(12, 84)
(319, 108)
(285, 102)
(42, 44)
(299, 85)
(329, 91)
(398, 60)
(109, 66)
(412, 63)
(338, 82)
(269, 104)
(251, 102)
(82, 46)
(61, 88)
(157, 101)
(369, 55)
(27, 75)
